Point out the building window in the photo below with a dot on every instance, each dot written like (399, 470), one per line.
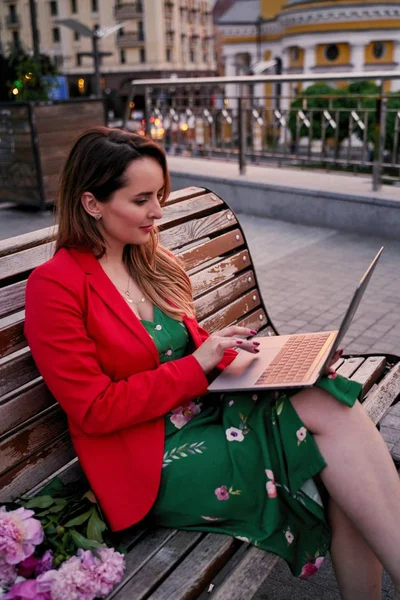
(295, 53)
(379, 50)
(56, 35)
(142, 55)
(58, 61)
(332, 52)
(95, 6)
(191, 56)
(53, 8)
(77, 37)
(78, 60)
(74, 8)
(122, 56)
(16, 40)
(168, 55)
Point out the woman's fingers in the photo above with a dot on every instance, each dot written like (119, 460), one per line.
(236, 330)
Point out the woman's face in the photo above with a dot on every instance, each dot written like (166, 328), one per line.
(129, 216)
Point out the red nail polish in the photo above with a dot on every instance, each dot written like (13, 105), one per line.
(256, 343)
(340, 352)
(253, 331)
(256, 350)
(239, 341)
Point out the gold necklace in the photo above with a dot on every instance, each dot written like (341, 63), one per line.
(128, 297)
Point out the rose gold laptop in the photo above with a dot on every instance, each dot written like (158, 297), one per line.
(289, 361)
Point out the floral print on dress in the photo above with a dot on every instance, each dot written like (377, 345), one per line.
(289, 536)
(183, 414)
(223, 493)
(234, 435)
(311, 567)
(301, 435)
(271, 485)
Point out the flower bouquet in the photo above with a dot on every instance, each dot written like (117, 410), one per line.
(54, 546)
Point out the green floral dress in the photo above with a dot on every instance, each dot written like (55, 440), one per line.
(243, 464)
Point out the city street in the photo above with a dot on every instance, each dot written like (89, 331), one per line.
(307, 276)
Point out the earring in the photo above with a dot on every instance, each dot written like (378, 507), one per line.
(97, 217)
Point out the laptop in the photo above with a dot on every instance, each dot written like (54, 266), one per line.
(289, 361)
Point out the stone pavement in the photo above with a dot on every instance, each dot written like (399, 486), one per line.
(307, 276)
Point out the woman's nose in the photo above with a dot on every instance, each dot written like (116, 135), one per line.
(156, 212)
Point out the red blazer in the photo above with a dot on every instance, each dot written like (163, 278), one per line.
(103, 368)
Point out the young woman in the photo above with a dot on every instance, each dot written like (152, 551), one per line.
(111, 325)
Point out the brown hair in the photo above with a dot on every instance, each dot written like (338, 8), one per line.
(97, 164)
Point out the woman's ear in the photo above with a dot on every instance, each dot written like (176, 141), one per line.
(91, 205)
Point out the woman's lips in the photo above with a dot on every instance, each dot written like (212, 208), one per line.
(148, 228)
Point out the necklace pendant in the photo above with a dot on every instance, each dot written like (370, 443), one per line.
(128, 297)
(143, 299)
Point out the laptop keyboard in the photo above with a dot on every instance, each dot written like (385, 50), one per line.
(293, 361)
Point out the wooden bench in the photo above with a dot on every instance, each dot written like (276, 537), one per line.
(34, 442)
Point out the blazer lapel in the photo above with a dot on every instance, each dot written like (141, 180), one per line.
(103, 286)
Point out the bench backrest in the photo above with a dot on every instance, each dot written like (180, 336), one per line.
(203, 231)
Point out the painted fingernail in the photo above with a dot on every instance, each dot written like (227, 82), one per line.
(253, 331)
(239, 341)
(256, 343)
(340, 352)
(256, 350)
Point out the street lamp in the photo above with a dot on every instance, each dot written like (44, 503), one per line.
(95, 34)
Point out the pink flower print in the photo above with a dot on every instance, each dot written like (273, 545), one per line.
(234, 435)
(184, 414)
(231, 402)
(19, 534)
(271, 485)
(311, 568)
(301, 434)
(271, 489)
(211, 518)
(289, 536)
(222, 493)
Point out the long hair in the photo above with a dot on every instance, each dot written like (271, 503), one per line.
(96, 164)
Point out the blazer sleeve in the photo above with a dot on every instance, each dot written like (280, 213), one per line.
(229, 353)
(66, 358)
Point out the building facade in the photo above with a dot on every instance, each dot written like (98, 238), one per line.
(312, 36)
(158, 38)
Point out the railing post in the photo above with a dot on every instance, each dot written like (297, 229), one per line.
(379, 141)
(242, 135)
(147, 109)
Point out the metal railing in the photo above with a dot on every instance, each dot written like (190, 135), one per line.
(348, 132)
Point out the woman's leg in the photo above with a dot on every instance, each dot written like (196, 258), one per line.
(357, 569)
(360, 477)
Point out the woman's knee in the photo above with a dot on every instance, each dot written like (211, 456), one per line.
(319, 410)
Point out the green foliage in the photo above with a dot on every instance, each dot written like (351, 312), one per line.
(71, 519)
(29, 77)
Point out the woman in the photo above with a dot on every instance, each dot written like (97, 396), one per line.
(111, 325)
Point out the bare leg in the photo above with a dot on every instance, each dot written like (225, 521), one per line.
(360, 477)
(358, 571)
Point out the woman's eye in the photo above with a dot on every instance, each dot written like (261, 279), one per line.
(140, 202)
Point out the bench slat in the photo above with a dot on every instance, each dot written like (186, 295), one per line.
(161, 565)
(369, 372)
(233, 311)
(211, 249)
(26, 240)
(350, 366)
(386, 393)
(12, 333)
(184, 194)
(141, 553)
(218, 272)
(24, 406)
(25, 261)
(190, 231)
(12, 298)
(249, 575)
(218, 298)
(192, 576)
(32, 438)
(36, 468)
(16, 371)
(194, 207)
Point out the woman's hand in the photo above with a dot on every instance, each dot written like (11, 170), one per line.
(329, 371)
(212, 350)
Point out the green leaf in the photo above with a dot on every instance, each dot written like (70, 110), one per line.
(279, 408)
(39, 502)
(79, 519)
(95, 527)
(82, 542)
(54, 487)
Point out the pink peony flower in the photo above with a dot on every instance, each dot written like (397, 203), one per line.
(19, 534)
(222, 493)
(85, 576)
(311, 568)
(271, 489)
(36, 566)
(184, 414)
(27, 590)
(8, 574)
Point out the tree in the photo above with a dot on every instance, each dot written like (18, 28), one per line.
(30, 76)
